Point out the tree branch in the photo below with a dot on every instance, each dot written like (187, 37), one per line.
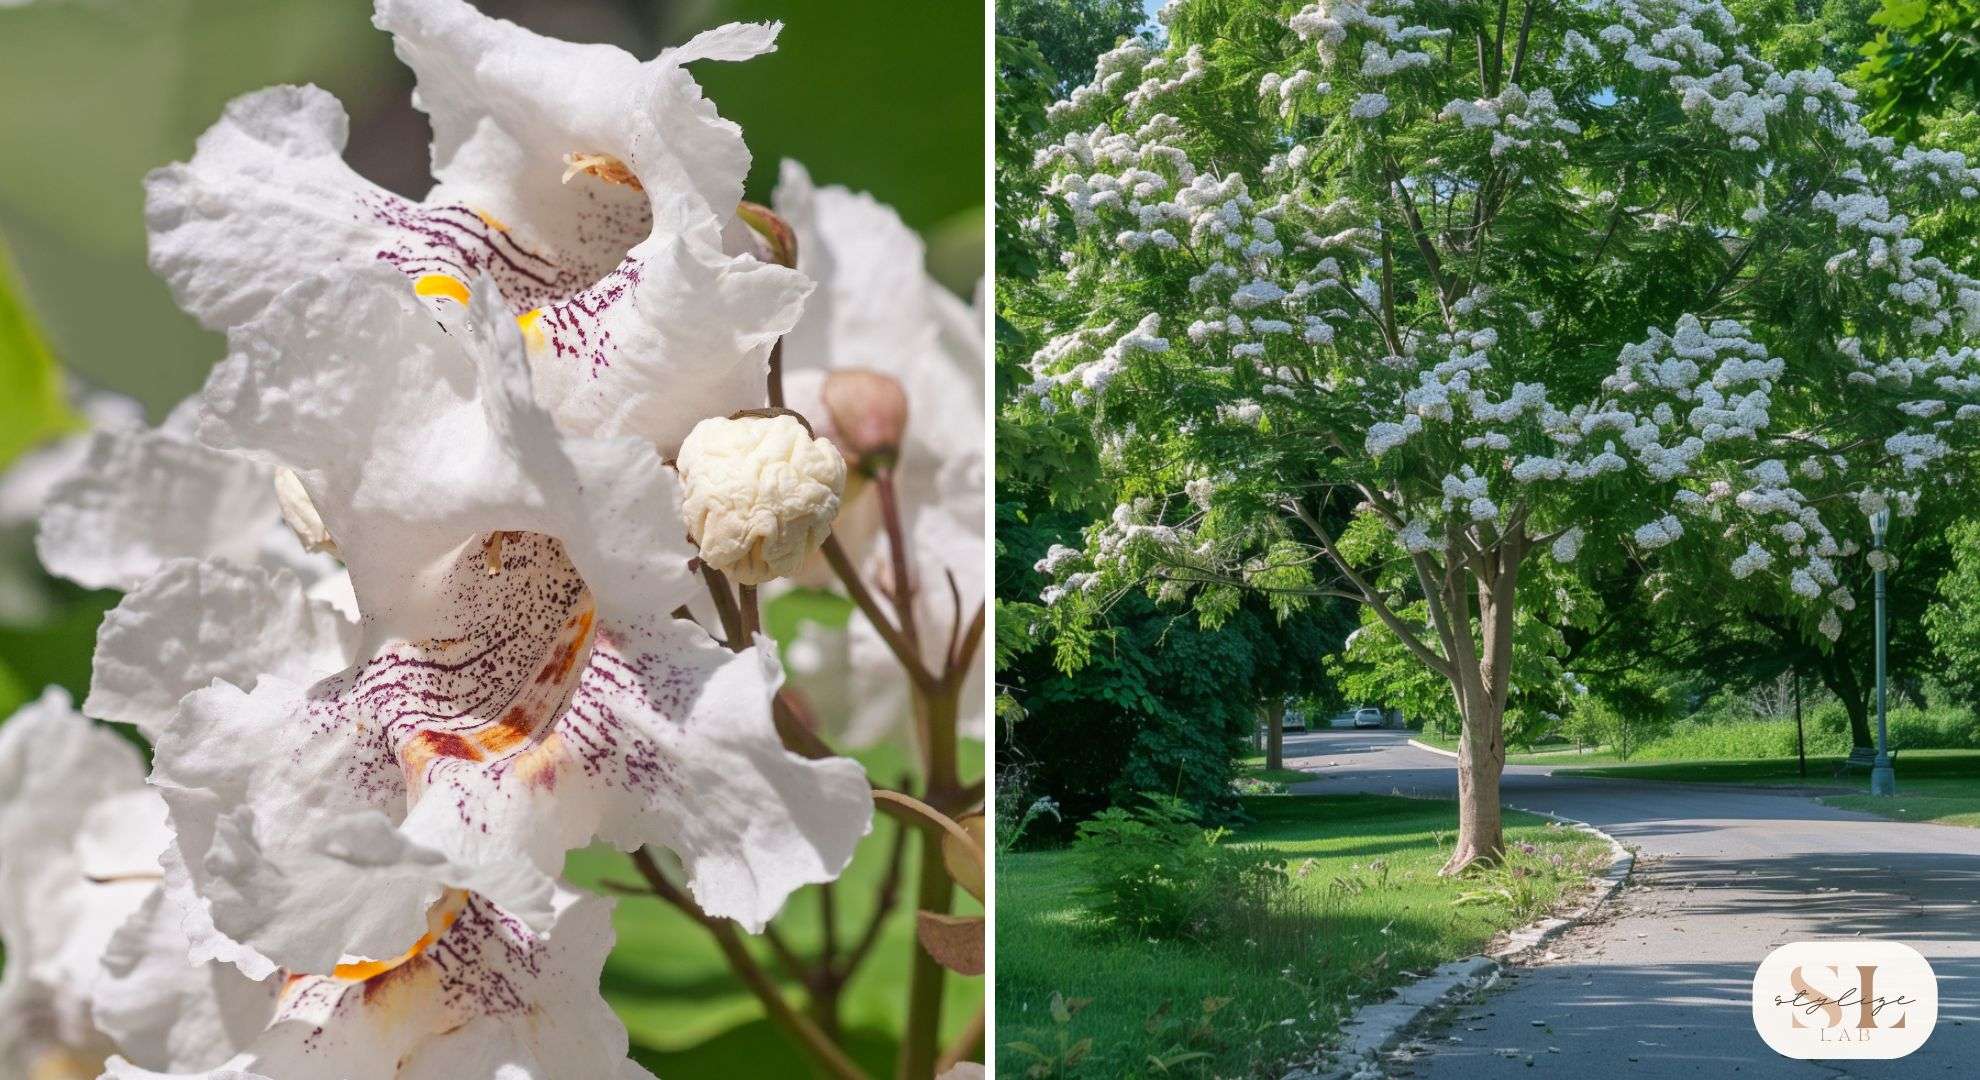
(806, 1033)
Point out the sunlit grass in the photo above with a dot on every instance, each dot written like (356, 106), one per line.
(1369, 863)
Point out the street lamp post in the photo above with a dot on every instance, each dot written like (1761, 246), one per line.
(1883, 779)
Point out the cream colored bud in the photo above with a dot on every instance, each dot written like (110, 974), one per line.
(868, 412)
(300, 513)
(760, 493)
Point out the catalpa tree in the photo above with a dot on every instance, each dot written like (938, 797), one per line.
(1436, 305)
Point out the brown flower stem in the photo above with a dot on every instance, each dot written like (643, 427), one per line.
(787, 957)
(828, 921)
(725, 608)
(778, 235)
(863, 598)
(776, 380)
(797, 735)
(751, 616)
(903, 583)
(967, 1045)
(807, 1034)
(913, 811)
(826, 982)
(965, 654)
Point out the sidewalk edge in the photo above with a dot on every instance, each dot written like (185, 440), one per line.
(1377, 1028)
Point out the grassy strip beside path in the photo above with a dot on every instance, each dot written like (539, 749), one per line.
(1253, 768)
(1933, 785)
(1546, 754)
(1365, 911)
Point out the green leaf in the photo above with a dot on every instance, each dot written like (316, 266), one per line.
(33, 408)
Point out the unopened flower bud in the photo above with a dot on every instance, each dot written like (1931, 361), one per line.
(300, 513)
(868, 412)
(760, 493)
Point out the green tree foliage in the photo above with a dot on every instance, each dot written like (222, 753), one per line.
(1159, 702)
(1506, 285)
(1068, 33)
(1926, 55)
(1953, 620)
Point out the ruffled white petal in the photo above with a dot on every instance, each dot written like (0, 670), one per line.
(508, 105)
(519, 692)
(284, 831)
(485, 997)
(877, 308)
(25, 484)
(96, 959)
(637, 322)
(141, 497)
(194, 622)
(413, 437)
(751, 821)
(166, 1011)
(55, 766)
(872, 307)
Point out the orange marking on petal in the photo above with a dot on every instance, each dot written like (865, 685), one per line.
(438, 921)
(503, 736)
(491, 221)
(424, 746)
(443, 285)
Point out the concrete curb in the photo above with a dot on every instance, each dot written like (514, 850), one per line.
(1433, 749)
(1377, 1028)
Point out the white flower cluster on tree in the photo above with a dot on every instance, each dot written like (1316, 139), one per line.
(1575, 381)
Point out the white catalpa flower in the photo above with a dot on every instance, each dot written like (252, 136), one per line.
(480, 994)
(760, 493)
(139, 497)
(593, 187)
(515, 690)
(878, 310)
(96, 961)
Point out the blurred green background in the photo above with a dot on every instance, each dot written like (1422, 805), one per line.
(875, 94)
(880, 95)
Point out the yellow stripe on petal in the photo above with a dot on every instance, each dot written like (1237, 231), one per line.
(446, 285)
(532, 333)
(490, 220)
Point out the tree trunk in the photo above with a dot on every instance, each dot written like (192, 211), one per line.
(1859, 722)
(1275, 734)
(1481, 758)
(1842, 681)
(1482, 684)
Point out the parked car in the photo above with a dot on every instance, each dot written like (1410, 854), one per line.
(1367, 716)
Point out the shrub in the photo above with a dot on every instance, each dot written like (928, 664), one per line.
(1725, 736)
(1155, 872)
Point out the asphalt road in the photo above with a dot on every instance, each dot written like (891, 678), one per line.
(1659, 983)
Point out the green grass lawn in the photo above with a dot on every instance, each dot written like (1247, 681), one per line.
(1933, 785)
(1253, 767)
(1368, 862)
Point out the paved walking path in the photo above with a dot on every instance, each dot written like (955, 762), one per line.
(1659, 985)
